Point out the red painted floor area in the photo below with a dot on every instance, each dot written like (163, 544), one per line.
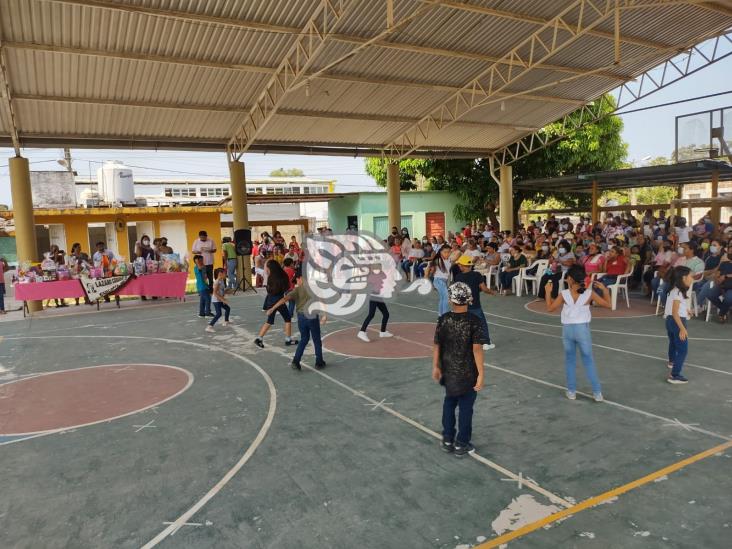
(74, 398)
(638, 307)
(411, 340)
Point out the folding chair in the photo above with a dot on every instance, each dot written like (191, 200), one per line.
(541, 265)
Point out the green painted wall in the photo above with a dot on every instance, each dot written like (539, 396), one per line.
(368, 206)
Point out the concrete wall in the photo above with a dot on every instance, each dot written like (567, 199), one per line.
(417, 204)
(76, 227)
(53, 189)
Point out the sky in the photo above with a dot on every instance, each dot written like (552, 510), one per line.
(648, 133)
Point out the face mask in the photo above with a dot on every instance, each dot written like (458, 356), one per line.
(661, 225)
(562, 251)
(680, 250)
(705, 245)
(393, 232)
(713, 249)
(404, 232)
(545, 248)
(145, 242)
(581, 253)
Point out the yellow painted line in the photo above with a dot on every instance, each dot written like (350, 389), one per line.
(591, 502)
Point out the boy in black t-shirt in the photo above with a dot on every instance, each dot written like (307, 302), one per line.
(457, 363)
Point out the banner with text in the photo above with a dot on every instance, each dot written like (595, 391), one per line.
(97, 288)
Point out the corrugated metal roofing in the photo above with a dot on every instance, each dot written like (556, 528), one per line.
(176, 72)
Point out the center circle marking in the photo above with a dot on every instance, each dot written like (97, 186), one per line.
(84, 396)
(411, 340)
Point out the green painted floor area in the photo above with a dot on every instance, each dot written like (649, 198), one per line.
(348, 458)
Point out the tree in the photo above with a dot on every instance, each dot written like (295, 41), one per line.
(592, 147)
(291, 172)
(410, 171)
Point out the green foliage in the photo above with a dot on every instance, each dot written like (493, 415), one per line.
(593, 147)
(291, 172)
(409, 172)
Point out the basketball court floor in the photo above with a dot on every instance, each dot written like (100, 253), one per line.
(134, 428)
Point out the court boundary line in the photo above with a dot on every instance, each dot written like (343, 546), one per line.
(603, 497)
(610, 402)
(36, 434)
(593, 344)
(175, 525)
(726, 340)
(326, 336)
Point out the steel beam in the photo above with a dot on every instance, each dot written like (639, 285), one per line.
(6, 98)
(649, 82)
(308, 44)
(551, 38)
(193, 17)
(366, 117)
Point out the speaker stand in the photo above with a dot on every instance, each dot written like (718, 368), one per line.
(244, 285)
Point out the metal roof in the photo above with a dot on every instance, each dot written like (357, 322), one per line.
(646, 176)
(188, 74)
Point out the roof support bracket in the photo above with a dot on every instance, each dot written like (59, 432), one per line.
(688, 62)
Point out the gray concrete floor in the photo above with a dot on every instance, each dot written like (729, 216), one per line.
(335, 470)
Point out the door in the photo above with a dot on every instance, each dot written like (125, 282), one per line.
(175, 231)
(435, 223)
(407, 223)
(381, 226)
(57, 235)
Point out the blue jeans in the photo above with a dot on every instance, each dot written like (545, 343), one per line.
(577, 336)
(677, 349)
(465, 417)
(2, 296)
(441, 287)
(204, 303)
(478, 312)
(506, 279)
(658, 286)
(309, 327)
(218, 306)
(722, 299)
(419, 270)
(231, 272)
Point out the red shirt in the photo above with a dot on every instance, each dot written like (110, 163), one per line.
(616, 267)
(290, 272)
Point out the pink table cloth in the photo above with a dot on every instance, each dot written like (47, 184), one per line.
(157, 285)
(38, 291)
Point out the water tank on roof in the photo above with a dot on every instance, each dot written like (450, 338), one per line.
(89, 198)
(115, 183)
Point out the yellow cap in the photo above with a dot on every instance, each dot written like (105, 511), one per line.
(465, 260)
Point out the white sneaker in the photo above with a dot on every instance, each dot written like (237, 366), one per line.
(598, 397)
(210, 329)
(386, 334)
(489, 346)
(227, 323)
(571, 395)
(363, 337)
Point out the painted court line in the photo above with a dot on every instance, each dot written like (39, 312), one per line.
(596, 500)
(604, 331)
(562, 388)
(525, 482)
(594, 344)
(263, 430)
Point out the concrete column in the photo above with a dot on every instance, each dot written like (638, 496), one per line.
(505, 198)
(393, 197)
(595, 202)
(25, 227)
(240, 209)
(716, 210)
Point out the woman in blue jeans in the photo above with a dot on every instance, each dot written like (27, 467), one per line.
(440, 272)
(576, 317)
(676, 313)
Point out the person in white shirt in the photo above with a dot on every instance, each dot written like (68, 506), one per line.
(676, 314)
(440, 271)
(205, 248)
(576, 316)
(682, 231)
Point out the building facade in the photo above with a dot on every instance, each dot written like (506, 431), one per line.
(423, 213)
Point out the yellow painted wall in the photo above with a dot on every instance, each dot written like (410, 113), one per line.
(76, 226)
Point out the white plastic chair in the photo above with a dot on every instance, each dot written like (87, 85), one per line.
(710, 304)
(516, 283)
(541, 265)
(621, 284)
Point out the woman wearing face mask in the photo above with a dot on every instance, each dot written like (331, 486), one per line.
(560, 263)
(712, 258)
(144, 250)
